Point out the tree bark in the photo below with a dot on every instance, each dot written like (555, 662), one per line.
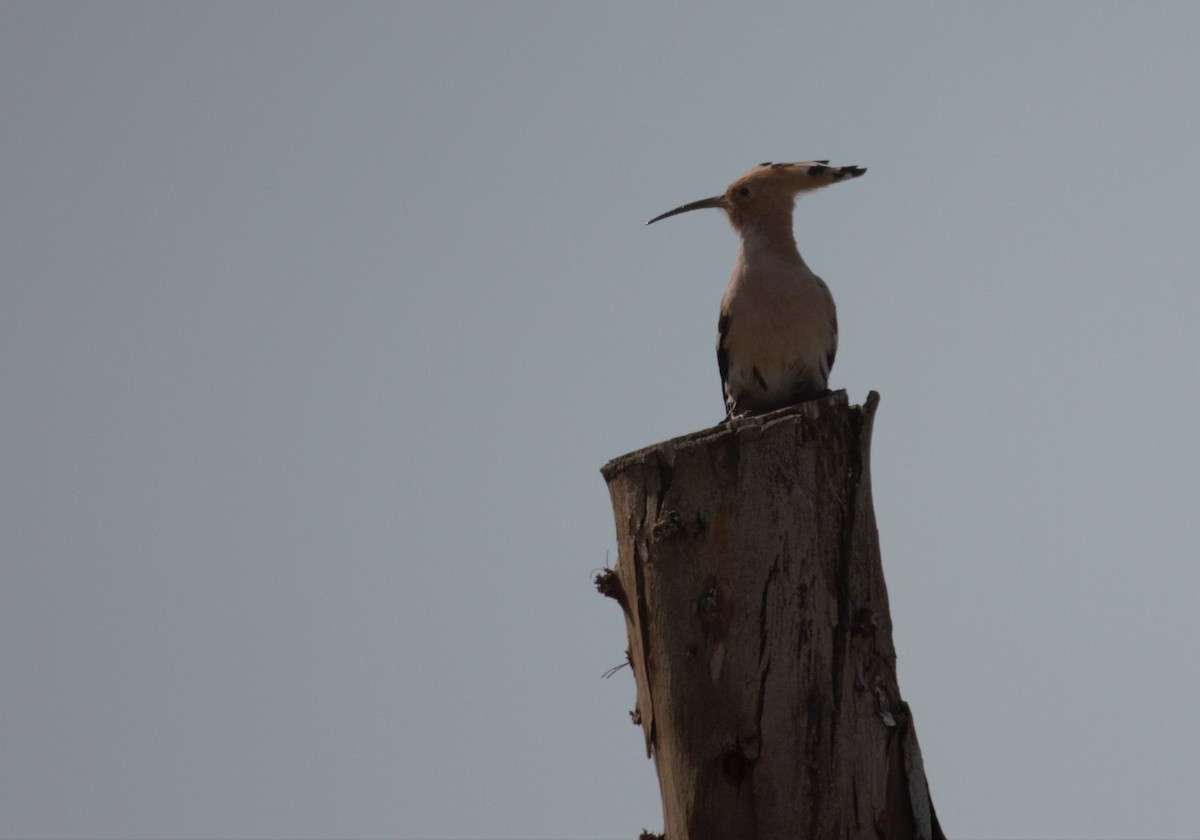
(759, 631)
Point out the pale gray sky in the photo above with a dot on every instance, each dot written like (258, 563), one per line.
(317, 322)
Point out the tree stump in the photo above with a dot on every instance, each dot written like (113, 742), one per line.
(759, 632)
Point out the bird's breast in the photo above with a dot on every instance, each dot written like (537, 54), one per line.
(779, 336)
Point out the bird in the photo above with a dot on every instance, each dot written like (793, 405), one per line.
(777, 334)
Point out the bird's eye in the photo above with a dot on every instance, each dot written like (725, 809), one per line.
(744, 191)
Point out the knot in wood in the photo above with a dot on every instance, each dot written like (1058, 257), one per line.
(863, 622)
(735, 765)
(669, 524)
(709, 602)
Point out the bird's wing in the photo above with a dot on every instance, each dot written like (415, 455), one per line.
(723, 361)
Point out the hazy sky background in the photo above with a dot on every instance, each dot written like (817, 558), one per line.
(317, 322)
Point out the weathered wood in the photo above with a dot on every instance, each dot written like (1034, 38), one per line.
(759, 631)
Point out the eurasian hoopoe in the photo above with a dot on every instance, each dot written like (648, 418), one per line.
(777, 334)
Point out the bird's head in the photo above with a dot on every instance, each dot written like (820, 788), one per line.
(768, 191)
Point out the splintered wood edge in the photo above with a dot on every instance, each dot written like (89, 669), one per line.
(813, 409)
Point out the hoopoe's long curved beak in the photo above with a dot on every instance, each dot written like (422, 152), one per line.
(716, 202)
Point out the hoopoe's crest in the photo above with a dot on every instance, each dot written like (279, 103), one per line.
(777, 333)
